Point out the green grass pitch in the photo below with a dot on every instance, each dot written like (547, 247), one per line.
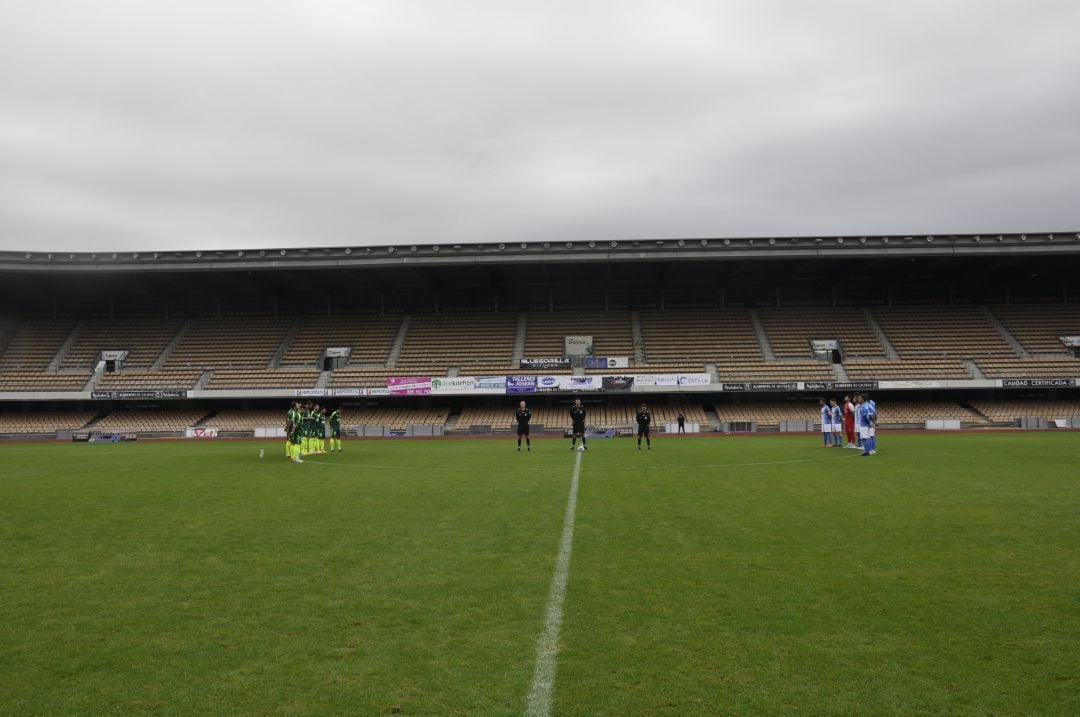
(759, 575)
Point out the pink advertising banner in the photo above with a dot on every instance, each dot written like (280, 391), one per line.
(409, 385)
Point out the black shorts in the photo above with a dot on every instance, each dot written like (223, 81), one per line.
(335, 433)
(642, 430)
(523, 429)
(578, 428)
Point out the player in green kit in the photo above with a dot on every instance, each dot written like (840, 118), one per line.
(305, 430)
(293, 428)
(320, 429)
(335, 430)
(289, 430)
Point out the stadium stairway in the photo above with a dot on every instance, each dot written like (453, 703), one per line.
(762, 337)
(399, 342)
(54, 365)
(890, 350)
(973, 369)
(519, 338)
(713, 420)
(275, 362)
(1005, 333)
(7, 331)
(170, 347)
(638, 336)
(452, 419)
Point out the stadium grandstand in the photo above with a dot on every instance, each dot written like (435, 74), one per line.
(736, 334)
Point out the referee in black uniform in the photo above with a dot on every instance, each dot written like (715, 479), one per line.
(577, 422)
(523, 417)
(644, 418)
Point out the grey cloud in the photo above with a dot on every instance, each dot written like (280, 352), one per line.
(197, 125)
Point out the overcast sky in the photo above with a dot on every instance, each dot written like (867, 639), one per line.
(161, 124)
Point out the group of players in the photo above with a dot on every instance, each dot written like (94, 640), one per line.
(305, 430)
(856, 418)
(577, 425)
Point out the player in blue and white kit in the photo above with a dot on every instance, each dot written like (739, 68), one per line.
(826, 423)
(871, 415)
(861, 424)
(837, 424)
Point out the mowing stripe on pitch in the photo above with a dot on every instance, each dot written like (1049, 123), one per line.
(547, 647)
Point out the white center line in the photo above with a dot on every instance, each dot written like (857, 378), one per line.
(547, 647)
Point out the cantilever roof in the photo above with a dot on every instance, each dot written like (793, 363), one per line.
(550, 252)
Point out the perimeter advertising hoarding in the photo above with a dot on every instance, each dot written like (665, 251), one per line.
(490, 384)
(657, 379)
(840, 385)
(758, 386)
(618, 383)
(607, 362)
(546, 364)
(694, 379)
(580, 383)
(453, 385)
(521, 384)
(1037, 382)
(125, 395)
(549, 383)
(409, 385)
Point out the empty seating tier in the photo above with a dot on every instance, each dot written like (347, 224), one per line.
(149, 420)
(960, 331)
(143, 339)
(14, 380)
(685, 339)
(268, 378)
(1038, 326)
(43, 422)
(612, 332)
(250, 342)
(790, 330)
(861, 369)
(1043, 366)
(35, 343)
(369, 336)
(436, 342)
(774, 371)
(1007, 411)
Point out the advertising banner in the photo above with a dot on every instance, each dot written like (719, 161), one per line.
(548, 383)
(377, 391)
(840, 385)
(761, 386)
(1037, 382)
(694, 379)
(657, 379)
(309, 392)
(546, 364)
(344, 392)
(409, 385)
(580, 383)
(521, 384)
(490, 384)
(453, 385)
(201, 433)
(618, 383)
(125, 395)
(607, 362)
(578, 345)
